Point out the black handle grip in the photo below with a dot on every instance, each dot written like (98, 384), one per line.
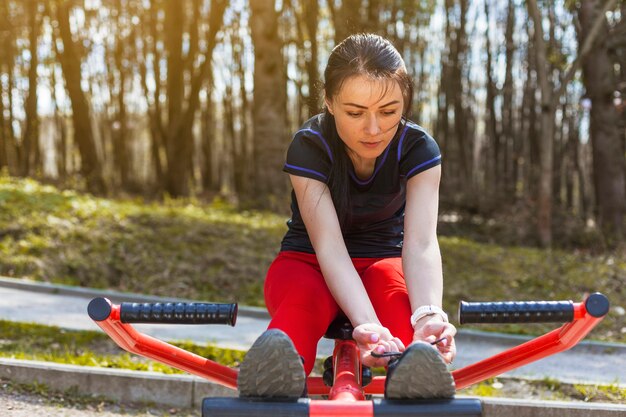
(179, 313)
(516, 312)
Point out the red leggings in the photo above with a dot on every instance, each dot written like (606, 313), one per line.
(302, 306)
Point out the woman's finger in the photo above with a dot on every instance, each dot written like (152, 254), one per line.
(395, 345)
(369, 360)
(400, 345)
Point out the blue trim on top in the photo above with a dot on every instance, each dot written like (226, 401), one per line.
(436, 158)
(310, 171)
(360, 182)
(322, 138)
(406, 129)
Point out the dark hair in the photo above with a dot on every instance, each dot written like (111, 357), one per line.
(361, 54)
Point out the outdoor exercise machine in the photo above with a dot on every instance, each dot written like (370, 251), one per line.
(347, 388)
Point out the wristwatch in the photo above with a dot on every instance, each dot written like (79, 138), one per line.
(427, 310)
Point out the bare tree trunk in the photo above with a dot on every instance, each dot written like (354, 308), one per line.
(509, 138)
(231, 171)
(4, 136)
(4, 58)
(443, 97)
(8, 53)
(14, 145)
(560, 147)
(179, 132)
(311, 20)
(120, 129)
(586, 188)
(174, 19)
(31, 131)
(495, 180)
(209, 182)
(606, 135)
(91, 168)
(155, 112)
(117, 73)
(4, 140)
(246, 137)
(241, 153)
(177, 173)
(346, 18)
(270, 131)
(461, 135)
(544, 198)
(372, 22)
(418, 67)
(61, 130)
(227, 160)
(155, 127)
(574, 185)
(528, 146)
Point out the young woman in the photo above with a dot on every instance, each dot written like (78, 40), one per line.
(362, 237)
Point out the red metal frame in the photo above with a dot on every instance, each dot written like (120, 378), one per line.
(133, 341)
(347, 394)
(550, 343)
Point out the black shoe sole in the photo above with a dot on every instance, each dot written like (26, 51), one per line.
(272, 368)
(420, 373)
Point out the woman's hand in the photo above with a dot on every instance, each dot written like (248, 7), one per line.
(372, 337)
(432, 328)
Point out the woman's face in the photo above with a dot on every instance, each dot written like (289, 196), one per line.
(367, 113)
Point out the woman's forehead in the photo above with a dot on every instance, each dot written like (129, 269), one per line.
(368, 91)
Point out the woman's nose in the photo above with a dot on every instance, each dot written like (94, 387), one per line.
(372, 127)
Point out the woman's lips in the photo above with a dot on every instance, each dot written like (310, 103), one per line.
(371, 144)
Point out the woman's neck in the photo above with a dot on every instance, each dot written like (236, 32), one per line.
(363, 168)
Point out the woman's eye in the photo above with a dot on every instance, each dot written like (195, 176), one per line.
(389, 113)
(352, 114)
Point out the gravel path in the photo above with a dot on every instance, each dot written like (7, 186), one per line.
(20, 404)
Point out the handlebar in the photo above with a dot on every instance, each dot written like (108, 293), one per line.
(596, 305)
(100, 309)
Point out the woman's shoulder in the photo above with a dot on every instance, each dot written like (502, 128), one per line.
(414, 136)
(310, 135)
(308, 154)
(417, 150)
(416, 132)
(314, 123)
(312, 128)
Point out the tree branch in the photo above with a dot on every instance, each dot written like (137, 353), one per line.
(540, 48)
(587, 45)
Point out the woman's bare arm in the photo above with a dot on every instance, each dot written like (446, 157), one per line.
(322, 224)
(421, 258)
(320, 218)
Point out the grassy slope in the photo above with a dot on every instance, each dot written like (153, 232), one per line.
(211, 252)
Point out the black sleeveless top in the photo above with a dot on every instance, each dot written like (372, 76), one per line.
(377, 204)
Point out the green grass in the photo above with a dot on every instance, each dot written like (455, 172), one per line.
(546, 389)
(487, 272)
(187, 249)
(91, 348)
(176, 248)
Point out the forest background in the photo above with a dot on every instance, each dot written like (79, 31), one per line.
(142, 141)
(200, 98)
